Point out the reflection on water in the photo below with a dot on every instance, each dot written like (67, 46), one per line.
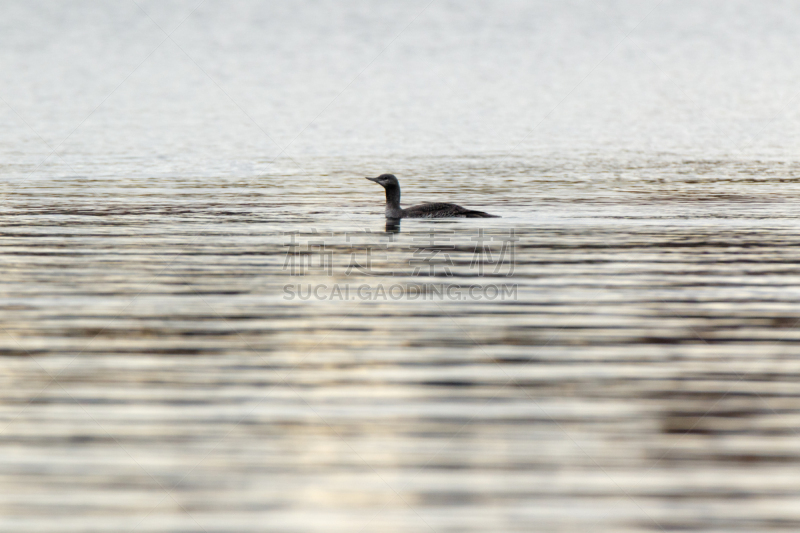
(641, 376)
(392, 225)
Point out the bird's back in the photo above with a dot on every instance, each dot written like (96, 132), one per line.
(442, 210)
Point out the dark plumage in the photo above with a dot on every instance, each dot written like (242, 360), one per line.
(426, 210)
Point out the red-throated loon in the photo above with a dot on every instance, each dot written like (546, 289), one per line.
(426, 210)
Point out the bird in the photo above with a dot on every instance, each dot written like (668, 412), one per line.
(425, 210)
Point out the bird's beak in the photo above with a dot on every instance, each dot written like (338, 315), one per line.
(373, 179)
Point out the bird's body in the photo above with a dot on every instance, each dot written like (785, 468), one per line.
(442, 210)
(426, 210)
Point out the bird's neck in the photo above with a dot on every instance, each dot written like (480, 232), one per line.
(393, 196)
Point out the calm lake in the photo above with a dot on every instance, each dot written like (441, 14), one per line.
(206, 326)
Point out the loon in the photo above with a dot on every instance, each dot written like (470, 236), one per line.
(426, 210)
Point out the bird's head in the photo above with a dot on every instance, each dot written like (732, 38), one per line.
(386, 180)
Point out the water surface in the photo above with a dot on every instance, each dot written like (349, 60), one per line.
(157, 375)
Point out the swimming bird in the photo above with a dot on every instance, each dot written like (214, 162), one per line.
(426, 210)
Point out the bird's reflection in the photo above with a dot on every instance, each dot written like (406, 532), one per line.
(392, 225)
